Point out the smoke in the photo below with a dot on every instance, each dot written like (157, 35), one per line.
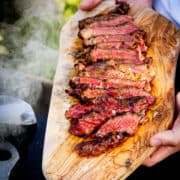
(33, 40)
(35, 7)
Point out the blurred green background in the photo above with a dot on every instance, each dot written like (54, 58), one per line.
(29, 38)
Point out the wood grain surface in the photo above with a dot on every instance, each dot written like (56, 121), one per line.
(59, 159)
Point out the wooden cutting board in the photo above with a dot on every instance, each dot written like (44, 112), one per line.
(59, 159)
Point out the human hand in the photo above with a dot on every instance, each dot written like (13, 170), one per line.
(90, 4)
(168, 142)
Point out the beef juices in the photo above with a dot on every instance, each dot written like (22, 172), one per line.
(112, 82)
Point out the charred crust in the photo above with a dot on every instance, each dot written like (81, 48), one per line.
(99, 145)
(83, 53)
(148, 60)
(86, 22)
(122, 8)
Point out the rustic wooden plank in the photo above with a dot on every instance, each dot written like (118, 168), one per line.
(59, 159)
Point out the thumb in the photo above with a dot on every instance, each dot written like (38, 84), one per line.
(169, 137)
(89, 4)
(164, 138)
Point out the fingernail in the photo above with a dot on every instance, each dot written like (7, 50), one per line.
(155, 142)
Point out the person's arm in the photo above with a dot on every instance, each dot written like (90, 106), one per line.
(90, 4)
(168, 142)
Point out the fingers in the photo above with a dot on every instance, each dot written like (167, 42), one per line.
(167, 141)
(89, 4)
(169, 137)
(159, 155)
(164, 138)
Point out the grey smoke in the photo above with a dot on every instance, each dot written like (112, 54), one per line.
(33, 45)
(33, 39)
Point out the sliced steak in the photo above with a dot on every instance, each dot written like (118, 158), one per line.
(121, 9)
(126, 56)
(114, 69)
(100, 104)
(136, 37)
(90, 82)
(119, 20)
(87, 22)
(119, 106)
(111, 105)
(103, 74)
(105, 21)
(106, 84)
(108, 38)
(117, 45)
(97, 31)
(121, 83)
(127, 123)
(76, 111)
(99, 145)
(88, 123)
(123, 93)
(138, 69)
(133, 71)
(112, 81)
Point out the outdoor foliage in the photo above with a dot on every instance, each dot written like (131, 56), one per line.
(68, 7)
(31, 43)
(3, 49)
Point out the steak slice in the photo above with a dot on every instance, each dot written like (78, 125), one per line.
(96, 19)
(108, 38)
(84, 126)
(106, 84)
(90, 82)
(101, 112)
(123, 93)
(107, 137)
(117, 45)
(136, 37)
(77, 110)
(109, 104)
(114, 69)
(121, 9)
(138, 69)
(97, 31)
(105, 21)
(103, 73)
(127, 123)
(99, 145)
(121, 83)
(119, 20)
(126, 56)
